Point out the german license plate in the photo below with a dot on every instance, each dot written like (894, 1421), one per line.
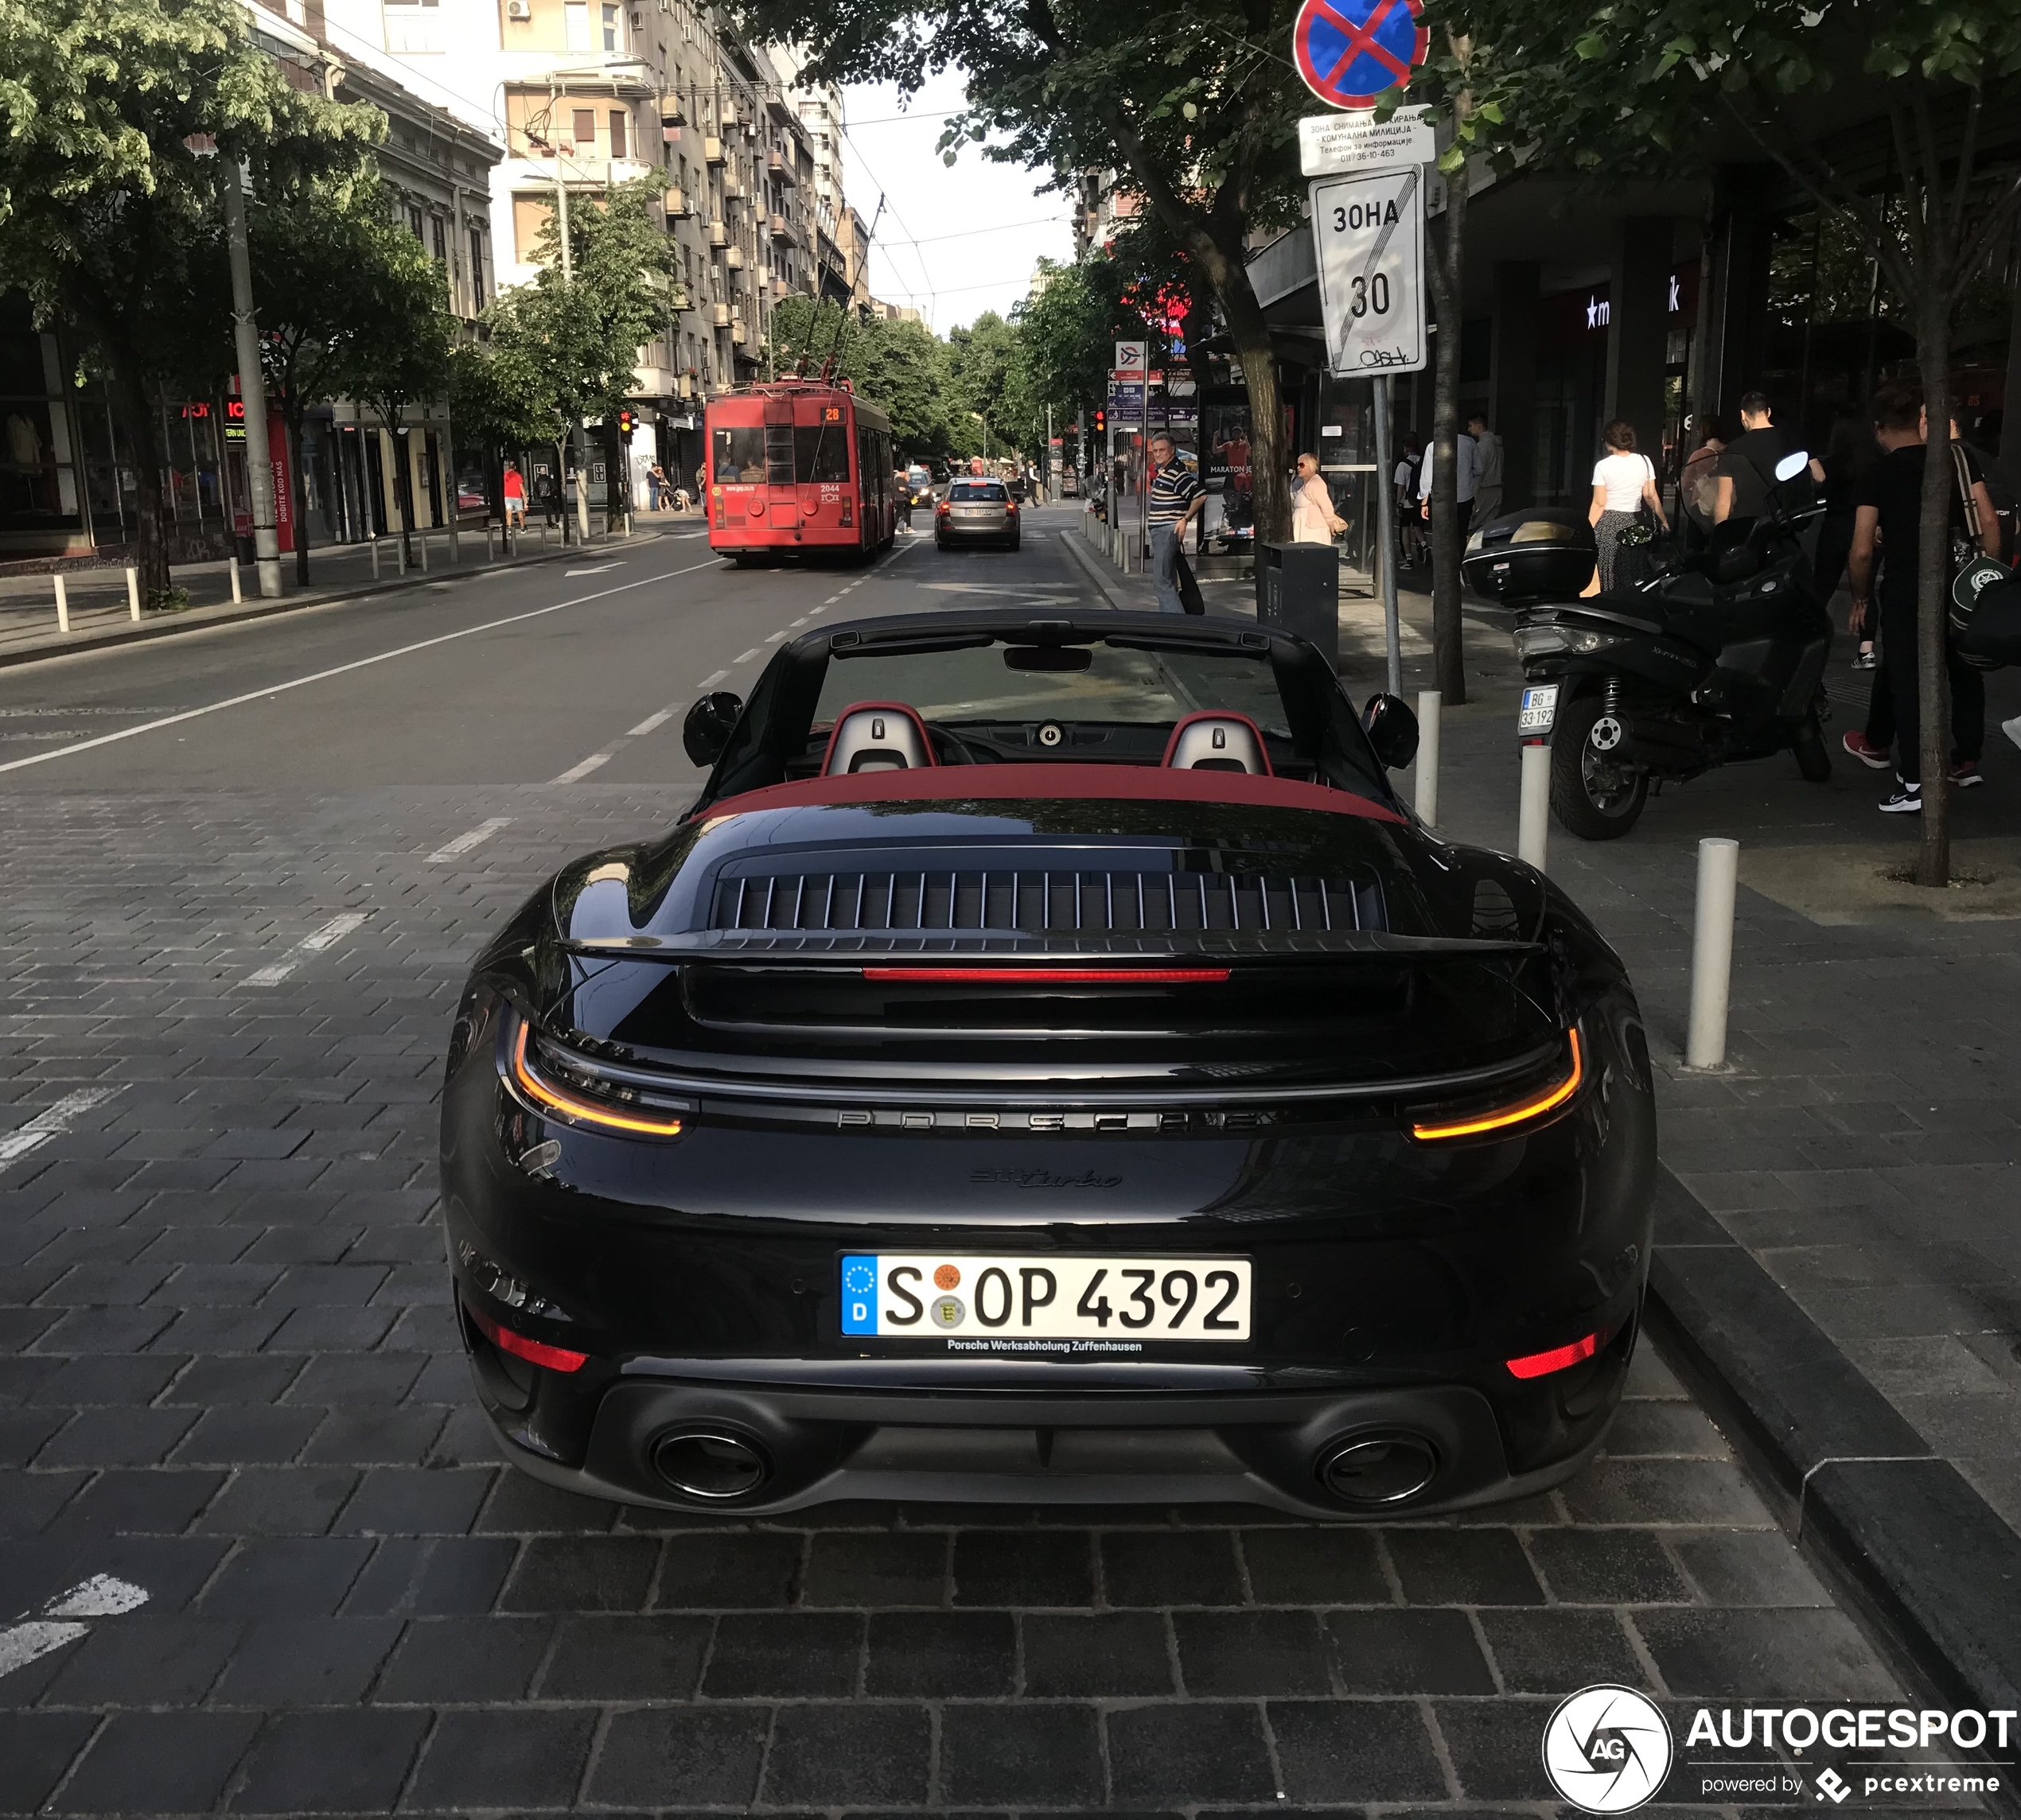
(1540, 709)
(986, 1305)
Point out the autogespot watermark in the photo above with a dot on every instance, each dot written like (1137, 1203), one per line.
(1608, 1750)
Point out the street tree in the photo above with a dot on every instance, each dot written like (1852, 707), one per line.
(117, 119)
(1197, 108)
(1645, 85)
(331, 261)
(901, 368)
(406, 361)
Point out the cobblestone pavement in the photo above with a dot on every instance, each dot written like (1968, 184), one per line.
(230, 1380)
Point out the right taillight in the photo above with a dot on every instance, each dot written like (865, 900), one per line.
(1502, 1121)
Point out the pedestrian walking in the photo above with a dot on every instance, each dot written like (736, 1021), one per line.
(1487, 463)
(515, 492)
(1176, 495)
(1467, 457)
(1847, 456)
(1698, 486)
(1888, 523)
(1405, 481)
(903, 490)
(1624, 486)
(1747, 469)
(1314, 519)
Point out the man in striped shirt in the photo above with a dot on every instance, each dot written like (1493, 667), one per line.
(1176, 494)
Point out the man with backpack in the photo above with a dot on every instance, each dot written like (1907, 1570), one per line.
(1746, 468)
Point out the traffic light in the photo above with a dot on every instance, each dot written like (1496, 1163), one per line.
(626, 421)
(1101, 422)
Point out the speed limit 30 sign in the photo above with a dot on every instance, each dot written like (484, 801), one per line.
(1369, 230)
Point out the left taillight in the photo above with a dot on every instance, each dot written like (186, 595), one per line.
(534, 1352)
(598, 1102)
(1507, 1120)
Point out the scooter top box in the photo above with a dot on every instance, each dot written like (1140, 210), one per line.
(1530, 555)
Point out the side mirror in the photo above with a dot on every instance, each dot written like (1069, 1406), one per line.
(1792, 464)
(708, 724)
(1392, 730)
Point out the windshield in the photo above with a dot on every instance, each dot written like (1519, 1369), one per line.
(1133, 688)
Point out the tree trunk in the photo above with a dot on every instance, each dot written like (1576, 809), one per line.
(1448, 271)
(1933, 579)
(403, 484)
(1270, 455)
(134, 411)
(291, 415)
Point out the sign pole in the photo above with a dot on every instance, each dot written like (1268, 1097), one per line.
(1386, 518)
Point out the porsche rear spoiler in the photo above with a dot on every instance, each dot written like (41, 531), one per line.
(760, 946)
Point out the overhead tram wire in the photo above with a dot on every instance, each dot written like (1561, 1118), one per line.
(910, 239)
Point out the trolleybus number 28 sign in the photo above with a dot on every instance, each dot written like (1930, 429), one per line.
(1370, 232)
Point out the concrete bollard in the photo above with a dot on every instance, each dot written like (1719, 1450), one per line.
(63, 607)
(453, 558)
(237, 593)
(375, 557)
(1533, 814)
(1427, 804)
(1711, 953)
(423, 541)
(491, 547)
(133, 594)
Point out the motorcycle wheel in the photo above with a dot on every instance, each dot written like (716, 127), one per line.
(1596, 799)
(1814, 757)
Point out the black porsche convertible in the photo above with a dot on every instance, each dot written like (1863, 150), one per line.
(1049, 1063)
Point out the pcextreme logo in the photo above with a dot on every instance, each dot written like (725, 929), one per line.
(1606, 1749)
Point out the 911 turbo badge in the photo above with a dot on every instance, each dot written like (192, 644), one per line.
(983, 1115)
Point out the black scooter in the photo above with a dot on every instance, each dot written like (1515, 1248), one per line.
(1716, 658)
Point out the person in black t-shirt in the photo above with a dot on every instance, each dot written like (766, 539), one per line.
(1746, 469)
(1887, 520)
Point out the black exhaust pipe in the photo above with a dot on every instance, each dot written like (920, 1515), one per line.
(711, 1463)
(1370, 1471)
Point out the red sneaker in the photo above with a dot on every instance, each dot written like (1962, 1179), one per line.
(1874, 757)
(1965, 775)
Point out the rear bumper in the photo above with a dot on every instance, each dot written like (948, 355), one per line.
(1053, 1443)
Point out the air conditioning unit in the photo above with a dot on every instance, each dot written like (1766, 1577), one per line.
(518, 9)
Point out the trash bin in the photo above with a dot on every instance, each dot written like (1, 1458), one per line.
(1298, 590)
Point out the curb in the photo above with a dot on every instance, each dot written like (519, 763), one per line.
(1097, 572)
(1930, 1565)
(179, 624)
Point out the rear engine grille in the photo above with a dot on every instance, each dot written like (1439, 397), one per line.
(1048, 902)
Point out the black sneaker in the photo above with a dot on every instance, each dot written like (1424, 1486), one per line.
(1907, 800)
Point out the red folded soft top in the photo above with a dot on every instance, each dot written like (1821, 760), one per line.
(1041, 782)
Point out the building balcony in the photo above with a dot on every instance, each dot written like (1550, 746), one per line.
(679, 208)
(733, 259)
(783, 229)
(739, 334)
(718, 233)
(781, 167)
(719, 315)
(673, 111)
(712, 149)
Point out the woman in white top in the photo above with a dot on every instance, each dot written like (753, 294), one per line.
(1622, 482)
(1314, 519)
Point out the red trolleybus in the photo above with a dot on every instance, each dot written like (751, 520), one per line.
(796, 466)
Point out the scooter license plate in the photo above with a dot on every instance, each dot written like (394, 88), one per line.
(1540, 709)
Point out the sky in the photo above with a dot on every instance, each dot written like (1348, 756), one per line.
(953, 243)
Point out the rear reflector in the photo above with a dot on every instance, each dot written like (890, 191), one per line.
(1048, 976)
(534, 1351)
(1560, 1357)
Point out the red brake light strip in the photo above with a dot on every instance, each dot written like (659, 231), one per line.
(1047, 976)
(534, 1351)
(1535, 1107)
(1560, 1357)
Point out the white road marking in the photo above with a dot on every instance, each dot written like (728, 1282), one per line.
(328, 936)
(51, 1121)
(576, 772)
(597, 569)
(802, 620)
(710, 682)
(474, 837)
(773, 637)
(816, 612)
(275, 689)
(652, 723)
(755, 651)
(100, 1596)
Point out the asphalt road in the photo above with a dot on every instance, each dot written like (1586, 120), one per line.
(257, 1555)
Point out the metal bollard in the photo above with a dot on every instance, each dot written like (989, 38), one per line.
(1533, 814)
(453, 557)
(133, 593)
(375, 558)
(1711, 953)
(238, 595)
(63, 607)
(400, 551)
(543, 540)
(1428, 804)
(424, 552)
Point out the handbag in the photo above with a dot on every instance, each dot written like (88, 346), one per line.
(1190, 597)
(1985, 613)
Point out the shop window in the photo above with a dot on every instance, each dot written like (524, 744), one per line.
(576, 16)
